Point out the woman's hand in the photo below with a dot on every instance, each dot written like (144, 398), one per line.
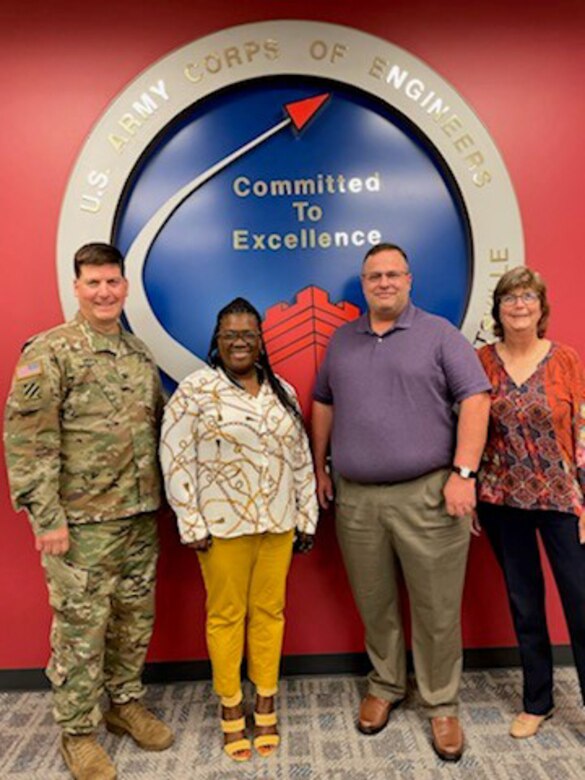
(475, 524)
(582, 528)
(201, 545)
(303, 542)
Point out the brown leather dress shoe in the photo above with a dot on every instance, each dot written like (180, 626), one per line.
(374, 714)
(447, 738)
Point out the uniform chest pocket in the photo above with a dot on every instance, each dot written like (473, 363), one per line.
(92, 390)
(139, 381)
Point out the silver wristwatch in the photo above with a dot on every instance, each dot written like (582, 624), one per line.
(464, 471)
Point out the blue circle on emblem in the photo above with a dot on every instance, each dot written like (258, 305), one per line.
(298, 210)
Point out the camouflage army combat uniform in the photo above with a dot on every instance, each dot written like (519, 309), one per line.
(81, 434)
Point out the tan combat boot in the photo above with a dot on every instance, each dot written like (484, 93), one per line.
(85, 758)
(146, 729)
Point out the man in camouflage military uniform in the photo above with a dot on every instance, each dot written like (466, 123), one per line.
(81, 434)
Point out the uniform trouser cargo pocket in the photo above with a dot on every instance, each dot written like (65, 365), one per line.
(102, 596)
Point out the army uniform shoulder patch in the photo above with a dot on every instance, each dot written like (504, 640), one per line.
(26, 371)
(31, 386)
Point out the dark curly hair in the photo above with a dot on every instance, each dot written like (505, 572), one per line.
(242, 306)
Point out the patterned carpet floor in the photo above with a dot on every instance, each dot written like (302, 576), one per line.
(319, 740)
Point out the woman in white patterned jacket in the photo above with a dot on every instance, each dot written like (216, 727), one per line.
(239, 476)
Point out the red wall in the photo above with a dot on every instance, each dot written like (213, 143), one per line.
(520, 65)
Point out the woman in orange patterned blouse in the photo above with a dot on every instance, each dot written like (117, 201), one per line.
(532, 480)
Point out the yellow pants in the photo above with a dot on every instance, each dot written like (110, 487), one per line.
(245, 580)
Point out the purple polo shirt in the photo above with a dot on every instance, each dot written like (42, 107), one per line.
(393, 395)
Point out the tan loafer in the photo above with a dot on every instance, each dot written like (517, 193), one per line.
(526, 725)
(447, 737)
(374, 714)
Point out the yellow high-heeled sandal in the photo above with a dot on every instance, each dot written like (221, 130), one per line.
(240, 749)
(266, 744)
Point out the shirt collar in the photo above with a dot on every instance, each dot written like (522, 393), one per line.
(100, 342)
(233, 382)
(403, 322)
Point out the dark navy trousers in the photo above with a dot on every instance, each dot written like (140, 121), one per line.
(513, 535)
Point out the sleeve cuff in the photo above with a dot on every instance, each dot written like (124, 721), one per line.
(306, 524)
(41, 525)
(192, 529)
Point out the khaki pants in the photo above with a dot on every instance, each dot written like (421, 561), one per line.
(245, 580)
(379, 526)
(102, 595)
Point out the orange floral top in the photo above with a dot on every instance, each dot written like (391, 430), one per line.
(535, 454)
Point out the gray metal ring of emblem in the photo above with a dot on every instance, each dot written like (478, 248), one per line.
(303, 49)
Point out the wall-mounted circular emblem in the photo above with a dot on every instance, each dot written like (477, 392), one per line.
(263, 161)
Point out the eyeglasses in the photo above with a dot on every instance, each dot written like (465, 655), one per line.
(510, 299)
(231, 336)
(375, 277)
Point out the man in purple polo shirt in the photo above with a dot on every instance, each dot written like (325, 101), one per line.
(405, 485)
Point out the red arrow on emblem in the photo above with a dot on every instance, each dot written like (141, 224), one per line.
(300, 111)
